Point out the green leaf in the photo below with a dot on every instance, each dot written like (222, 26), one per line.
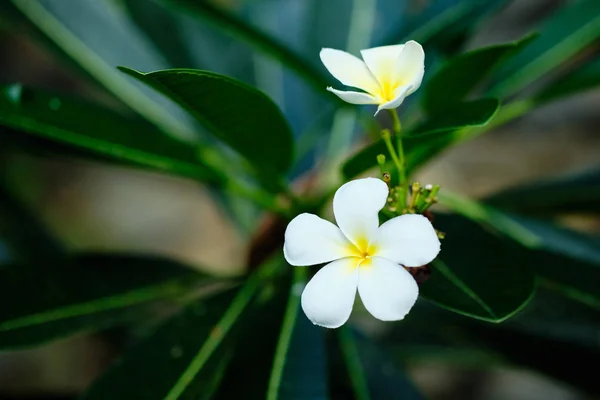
(567, 261)
(570, 30)
(371, 372)
(578, 192)
(457, 116)
(68, 121)
(428, 138)
(553, 251)
(238, 114)
(445, 26)
(541, 354)
(187, 356)
(63, 297)
(462, 74)
(240, 30)
(487, 281)
(68, 27)
(299, 367)
(26, 239)
(584, 78)
(151, 369)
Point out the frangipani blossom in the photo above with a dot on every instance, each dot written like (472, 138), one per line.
(388, 74)
(361, 255)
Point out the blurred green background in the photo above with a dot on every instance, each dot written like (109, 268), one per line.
(67, 46)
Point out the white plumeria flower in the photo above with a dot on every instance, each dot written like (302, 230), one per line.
(388, 74)
(361, 255)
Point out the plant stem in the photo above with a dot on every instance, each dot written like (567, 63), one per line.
(385, 135)
(401, 165)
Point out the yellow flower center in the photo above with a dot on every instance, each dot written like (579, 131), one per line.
(363, 251)
(387, 91)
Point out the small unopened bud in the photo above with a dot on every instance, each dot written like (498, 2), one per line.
(429, 186)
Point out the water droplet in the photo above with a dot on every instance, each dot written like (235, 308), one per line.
(55, 104)
(176, 352)
(14, 92)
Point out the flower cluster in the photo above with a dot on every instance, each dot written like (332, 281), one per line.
(361, 255)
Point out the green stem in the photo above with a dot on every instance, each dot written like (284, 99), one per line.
(401, 166)
(385, 135)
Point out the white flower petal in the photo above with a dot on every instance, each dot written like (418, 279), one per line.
(408, 240)
(382, 61)
(328, 297)
(386, 289)
(349, 70)
(410, 66)
(354, 97)
(356, 205)
(311, 240)
(399, 96)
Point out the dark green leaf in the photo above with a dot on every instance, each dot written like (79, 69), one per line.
(579, 192)
(153, 368)
(186, 357)
(299, 367)
(571, 29)
(568, 261)
(527, 340)
(427, 139)
(485, 280)
(445, 26)
(555, 358)
(249, 373)
(87, 126)
(554, 252)
(24, 236)
(238, 114)
(371, 372)
(224, 20)
(460, 75)
(68, 25)
(458, 115)
(41, 304)
(585, 78)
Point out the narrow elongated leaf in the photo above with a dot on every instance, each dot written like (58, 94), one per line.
(579, 192)
(585, 78)
(86, 126)
(68, 26)
(25, 238)
(431, 136)
(299, 367)
(241, 116)
(571, 29)
(187, 355)
(234, 26)
(478, 274)
(150, 369)
(445, 26)
(40, 304)
(461, 74)
(248, 374)
(371, 372)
